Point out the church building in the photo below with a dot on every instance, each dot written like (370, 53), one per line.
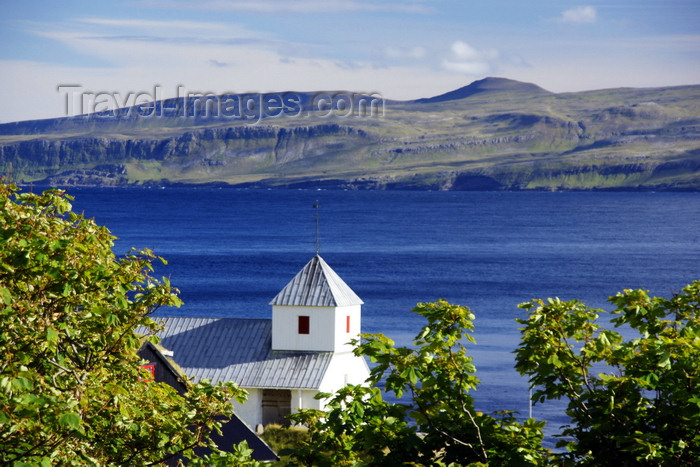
(282, 362)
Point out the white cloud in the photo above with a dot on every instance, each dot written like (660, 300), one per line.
(464, 51)
(96, 28)
(393, 51)
(467, 68)
(217, 63)
(579, 15)
(133, 64)
(296, 6)
(158, 42)
(154, 24)
(465, 59)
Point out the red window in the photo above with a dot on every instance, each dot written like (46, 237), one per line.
(347, 324)
(152, 370)
(303, 325)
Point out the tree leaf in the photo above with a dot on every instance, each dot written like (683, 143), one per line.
(70, 420)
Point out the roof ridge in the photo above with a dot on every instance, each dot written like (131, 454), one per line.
(156, 318)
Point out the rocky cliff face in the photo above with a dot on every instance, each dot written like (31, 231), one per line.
(90, 160)
(101, 175)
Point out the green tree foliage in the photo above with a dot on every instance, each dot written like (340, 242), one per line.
(632, 401)
(70, 389)
(440, 425)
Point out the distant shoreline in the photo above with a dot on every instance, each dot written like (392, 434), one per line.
(349, 186)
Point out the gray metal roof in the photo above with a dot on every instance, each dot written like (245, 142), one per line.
(316, 285)
(239, 350)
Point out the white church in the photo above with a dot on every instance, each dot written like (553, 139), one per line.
(282, 362)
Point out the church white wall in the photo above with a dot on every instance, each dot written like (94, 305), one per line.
(342, 337)
(250, 411)
(327, 327)
(345, 368)
(304, 399)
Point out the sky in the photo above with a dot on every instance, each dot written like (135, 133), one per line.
(53, 53)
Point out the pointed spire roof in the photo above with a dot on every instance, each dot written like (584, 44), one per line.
(316, 285)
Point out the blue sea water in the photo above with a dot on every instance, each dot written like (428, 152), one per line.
(230, 251)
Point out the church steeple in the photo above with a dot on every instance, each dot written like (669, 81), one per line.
(316, 285)
(315, 311)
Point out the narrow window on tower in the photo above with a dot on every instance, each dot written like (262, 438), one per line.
(303, 325)
(347, 324)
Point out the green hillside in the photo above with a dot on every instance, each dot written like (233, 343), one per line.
(494, 134)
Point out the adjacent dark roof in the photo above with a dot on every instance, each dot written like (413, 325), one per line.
(316, 285)
(233, 431)
(166, 370)
(239, 350)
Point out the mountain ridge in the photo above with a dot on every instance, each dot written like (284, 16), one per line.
(494, 133)
(486, 86)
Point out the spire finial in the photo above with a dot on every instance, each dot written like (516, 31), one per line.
(318, 244)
